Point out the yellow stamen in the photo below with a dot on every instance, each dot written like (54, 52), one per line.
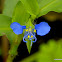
(34, 30)
(28, 36)
(31, 36)
(26, 29)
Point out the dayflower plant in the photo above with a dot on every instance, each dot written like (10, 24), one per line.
(42, 29)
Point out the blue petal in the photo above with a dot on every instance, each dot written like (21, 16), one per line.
(18, 31)
(15, 25)
(42, 28)
(17, 28)
(24, 27)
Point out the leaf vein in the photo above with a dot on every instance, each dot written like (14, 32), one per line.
(47, 5)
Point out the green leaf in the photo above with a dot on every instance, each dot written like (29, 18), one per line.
(5, 29)
(5, 22)
(16, 43)
(11, 36)
(31, 6)
(9, 6)
(49, 5)
(20, 15)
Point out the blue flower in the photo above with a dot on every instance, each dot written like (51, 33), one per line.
(42, 28)
(17, 28)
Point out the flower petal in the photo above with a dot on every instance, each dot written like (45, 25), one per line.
(18, 31)
(42, 28)
(24, 27)
(15, 25)
(17, 28)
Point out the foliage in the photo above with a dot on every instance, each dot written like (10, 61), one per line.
(9, 6)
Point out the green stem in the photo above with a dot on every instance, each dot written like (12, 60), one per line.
(14, 47)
